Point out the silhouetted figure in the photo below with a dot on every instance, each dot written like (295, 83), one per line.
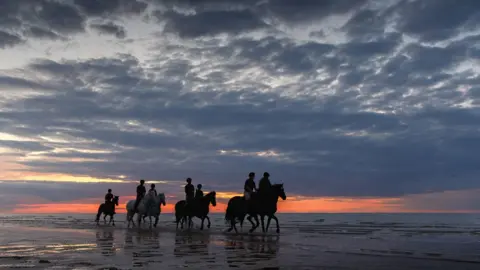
(108, 198)
(250, 186)
(189, 191)
(264, 185)
(237, 208)
(201, 210)
(108, 209)
(152, 190)
(152, 194)
(199, 192)
(140, 194)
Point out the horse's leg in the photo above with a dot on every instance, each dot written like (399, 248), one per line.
(156, 221)
(133, 221)
(150, 218)
(241, 223)
(203, 220)
(276, 220)
(232, 225)
(268, 222)
(139, 219)
(257, 222)
(253, 224)
(262, 219)
(209, 223)
(112, 219)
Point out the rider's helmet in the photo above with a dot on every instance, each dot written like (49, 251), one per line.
(199, 186)
(189, 180)
(142, 181)
(252, 174)
(266, 174)
(109, 190)
(152, 185)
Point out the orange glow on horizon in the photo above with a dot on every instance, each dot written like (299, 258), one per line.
(88, 208)
(314, 205)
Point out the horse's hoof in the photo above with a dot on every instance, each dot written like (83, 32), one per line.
(278, 230)
(250, 231)
(229, 230)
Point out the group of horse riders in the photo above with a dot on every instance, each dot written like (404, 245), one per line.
(250, 190)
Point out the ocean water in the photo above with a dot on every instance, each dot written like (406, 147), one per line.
(306, 241)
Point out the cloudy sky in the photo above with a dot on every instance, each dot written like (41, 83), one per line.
(354, 105)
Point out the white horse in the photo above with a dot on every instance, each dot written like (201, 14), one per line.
(149, 206)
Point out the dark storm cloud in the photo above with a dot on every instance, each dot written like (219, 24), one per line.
(211, 23)
(110, 28)
(47, 19)
(373, 114)
(315, 143)
(436, 20)
(9, 40)
(41, 33)
(102, 8)
(9, 83)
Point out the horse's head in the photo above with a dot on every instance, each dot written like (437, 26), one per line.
(212, 198)
(115, 200)
(161, 197)
(279, 191)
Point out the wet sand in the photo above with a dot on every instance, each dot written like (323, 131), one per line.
(29, 246)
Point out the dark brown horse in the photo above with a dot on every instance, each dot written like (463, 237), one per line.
(265, 206)
(107, 210)
(199, 208)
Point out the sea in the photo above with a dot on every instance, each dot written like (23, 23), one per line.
(305, 241)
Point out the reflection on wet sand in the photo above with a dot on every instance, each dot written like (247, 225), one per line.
(193, 248)
(242, 251)
(105, 242)
(143, 246)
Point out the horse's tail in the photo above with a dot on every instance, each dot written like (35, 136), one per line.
(179, 211)
(230, 213)
(99, 212)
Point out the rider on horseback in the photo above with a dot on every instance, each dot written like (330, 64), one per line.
(140, 194)
(249, 187)
(152, 194)
(199, 192)
(264, 185)
(189, 191)
(152, 190)
(109, 198)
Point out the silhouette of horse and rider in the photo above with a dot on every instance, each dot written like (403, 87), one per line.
(194, 205)
(261, 202)
(255, 202)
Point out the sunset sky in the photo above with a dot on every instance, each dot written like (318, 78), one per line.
(356, 106)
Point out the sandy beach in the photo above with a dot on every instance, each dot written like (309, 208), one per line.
(75, 243)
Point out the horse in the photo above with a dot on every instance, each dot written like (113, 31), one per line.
(199, 208)
(149, 206)
(107, 211)
(238, 208)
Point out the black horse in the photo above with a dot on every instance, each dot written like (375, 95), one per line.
(199, 208)
(237, 209)
(107, 210)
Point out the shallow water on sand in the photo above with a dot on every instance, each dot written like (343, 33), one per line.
(305, 242)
